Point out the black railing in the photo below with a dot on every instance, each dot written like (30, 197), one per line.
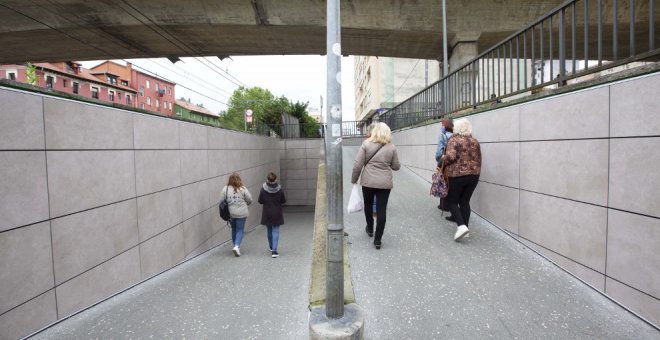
(348, 129)
(575, 40)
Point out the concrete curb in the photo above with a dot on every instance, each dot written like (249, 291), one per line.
(351, 325)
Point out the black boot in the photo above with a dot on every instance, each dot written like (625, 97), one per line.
(370, 232)
(377, 244)
(450, 218)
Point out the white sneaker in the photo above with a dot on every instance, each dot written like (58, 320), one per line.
(461, 231)
(237, 251)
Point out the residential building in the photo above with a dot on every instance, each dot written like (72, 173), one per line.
(198, 113)
(153, 93)
(381, 83)
(71, 77)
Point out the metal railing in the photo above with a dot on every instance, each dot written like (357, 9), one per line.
(576, 39)
(286, 131)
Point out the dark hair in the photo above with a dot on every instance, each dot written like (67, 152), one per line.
(272, 177)
(448, 124)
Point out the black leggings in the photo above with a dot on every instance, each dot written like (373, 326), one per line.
(458, 199)
(382, 195)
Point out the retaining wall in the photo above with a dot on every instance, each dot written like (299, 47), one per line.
(574, 177)
(94, 200)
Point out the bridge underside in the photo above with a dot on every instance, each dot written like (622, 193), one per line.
(95, 29)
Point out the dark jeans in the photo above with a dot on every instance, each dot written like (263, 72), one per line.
(458, 199)
(382, 195)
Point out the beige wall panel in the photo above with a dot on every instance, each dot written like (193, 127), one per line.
(570, 169)
(574, 230)
(633, 242)
(26, 264)
(634, 176)
(82, 241)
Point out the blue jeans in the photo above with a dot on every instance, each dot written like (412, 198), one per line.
(273, 236)
(237, 226)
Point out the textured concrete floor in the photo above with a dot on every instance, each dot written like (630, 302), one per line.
(423, 285)
(214, 296)
(420, 285)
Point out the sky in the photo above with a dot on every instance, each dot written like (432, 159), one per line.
(299, 78)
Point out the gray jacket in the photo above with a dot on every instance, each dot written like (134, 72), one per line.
(238, 201)
(378, 173)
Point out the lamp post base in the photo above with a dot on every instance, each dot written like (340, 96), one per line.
(348, 327)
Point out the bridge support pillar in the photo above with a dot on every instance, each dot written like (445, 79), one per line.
(464, 48)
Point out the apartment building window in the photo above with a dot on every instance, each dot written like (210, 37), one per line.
(75, 87)
(124, 82)
(95, 92)
(128, 99)
(119, 96)
(170, 104)
(112, 80)
(63, 82)
(111, 96)
(147, 84)
(157, 104)
(169, 90)
(141, 91)
(142, 106)
(49, 82)
(149, 101)
(11, 75)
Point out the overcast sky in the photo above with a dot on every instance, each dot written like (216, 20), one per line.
(299, 78)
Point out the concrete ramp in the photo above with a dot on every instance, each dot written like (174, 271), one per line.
(423, 285)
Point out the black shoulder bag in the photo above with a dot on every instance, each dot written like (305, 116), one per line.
(224, 207)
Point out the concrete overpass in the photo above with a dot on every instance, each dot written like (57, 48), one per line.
(95, 29)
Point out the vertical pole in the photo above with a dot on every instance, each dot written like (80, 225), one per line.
(334, 299)
(445, 61)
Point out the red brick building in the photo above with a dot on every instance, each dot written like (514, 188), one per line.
(71, 77)
(153, 93)
(108, 81)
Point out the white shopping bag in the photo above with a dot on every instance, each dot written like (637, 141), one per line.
(355, 202)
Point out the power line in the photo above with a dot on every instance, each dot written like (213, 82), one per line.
(191, 50)
(201, 82)
(100, 49)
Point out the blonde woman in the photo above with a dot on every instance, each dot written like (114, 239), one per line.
(463, 161)
(238, 198)
(375, 161)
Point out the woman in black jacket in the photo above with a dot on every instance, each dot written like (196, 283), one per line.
(272, 198)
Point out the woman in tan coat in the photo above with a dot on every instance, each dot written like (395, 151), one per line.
(373, 166)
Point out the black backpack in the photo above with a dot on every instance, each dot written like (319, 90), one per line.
(224, 208)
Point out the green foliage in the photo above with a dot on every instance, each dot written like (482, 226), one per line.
(266, 108)
(31, 72)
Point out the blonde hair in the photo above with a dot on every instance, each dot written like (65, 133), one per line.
(463, 127)
(235, 181)
(381, 133)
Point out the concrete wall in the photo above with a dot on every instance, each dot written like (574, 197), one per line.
(575, 177)
(94, 199)
(299, 159)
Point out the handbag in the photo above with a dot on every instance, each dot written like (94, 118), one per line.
(224, 207)
(439, 186)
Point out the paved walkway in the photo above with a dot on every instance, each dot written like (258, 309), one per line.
(214, 296)
(423, 285)
(420, 285)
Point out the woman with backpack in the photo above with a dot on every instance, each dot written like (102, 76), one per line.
(272, 216)
(238, 198)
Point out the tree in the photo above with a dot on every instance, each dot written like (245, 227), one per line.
(266, 108)
(31, 74)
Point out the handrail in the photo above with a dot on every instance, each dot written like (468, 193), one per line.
(543, 54)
